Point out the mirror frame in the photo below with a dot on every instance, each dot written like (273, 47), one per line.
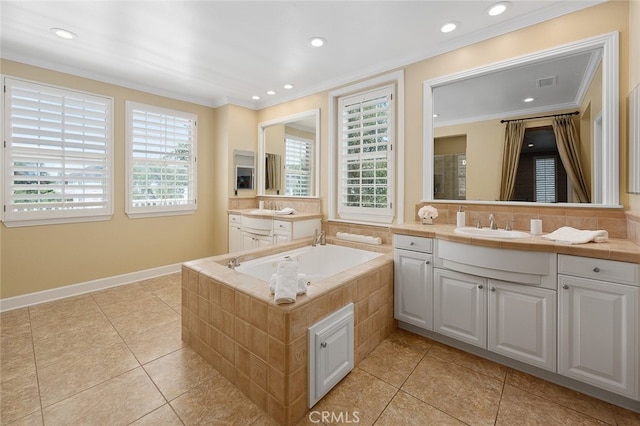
(315, 113)
(610, 114)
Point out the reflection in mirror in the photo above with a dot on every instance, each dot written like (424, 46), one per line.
(244, 163)
(464, 137)
(287, 148)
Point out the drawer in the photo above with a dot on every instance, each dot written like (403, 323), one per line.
(599, 269)
(235, 219)
(413, 243)
(281, 226)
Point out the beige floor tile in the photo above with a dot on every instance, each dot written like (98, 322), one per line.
(392, 362)
(563, 396)
(56, 317)
(625, 417)
(164, 416)
(154, 312)
(74, 341)
(72, 306)
(16, 356)
(34, 419)
(216, 401)
(14, 323)
(19, 397)
(522, 408)
(360, 393)
(162, 282)
(125, 293)
(179, 372)
(411, 339)
(265, 420)
(77, 373)
(118, 401)
(156, 342)
(172, 296)
(407, 410)
(467, 395)
(467, 360)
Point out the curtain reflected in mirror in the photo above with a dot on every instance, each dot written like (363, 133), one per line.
(273, 177)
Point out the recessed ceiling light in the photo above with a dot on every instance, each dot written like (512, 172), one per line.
(65, 34)
(498, 8)
(288, 86)
(255, 98)
(448, 27)
(527, 100)
(271, 92)
(317, 41)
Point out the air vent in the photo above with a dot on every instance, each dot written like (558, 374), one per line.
(548, 81)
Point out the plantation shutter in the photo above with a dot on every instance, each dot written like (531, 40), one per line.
(58, 154)
(545, 179)
(366, 156)
(162, 160)
(297, 166)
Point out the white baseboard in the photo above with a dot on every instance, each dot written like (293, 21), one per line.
(11, 303)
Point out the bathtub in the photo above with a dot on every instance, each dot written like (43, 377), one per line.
(315, 262)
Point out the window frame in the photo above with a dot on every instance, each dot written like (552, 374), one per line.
(310, 148)
(135, 212)
(397, 80)
(69, 214)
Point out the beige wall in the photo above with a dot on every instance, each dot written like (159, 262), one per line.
(37, 258)
(45, 257)
(634, 69)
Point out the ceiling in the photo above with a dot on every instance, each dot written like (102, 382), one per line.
(218, 52)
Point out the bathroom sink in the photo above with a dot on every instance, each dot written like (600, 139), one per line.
(490, 233)
(262, 211)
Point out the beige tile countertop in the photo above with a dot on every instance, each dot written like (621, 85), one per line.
(286, 217)
(613, 249)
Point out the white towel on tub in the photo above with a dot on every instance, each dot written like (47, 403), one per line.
(302, 284)
(286, 282)
(569, 235)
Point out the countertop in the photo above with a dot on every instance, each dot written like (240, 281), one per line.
(613, 249)
(286, 217)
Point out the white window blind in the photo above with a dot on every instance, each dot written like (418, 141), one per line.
(545, 179)
(161, 155)
(58, 155)
(366, 156)
(298, 157)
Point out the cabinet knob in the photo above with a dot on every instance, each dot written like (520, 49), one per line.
(493, 289)
(480, 286)
(566, 287)
(281, 226)
(411, 243)
(427, 262)
(596, 269)
(323, 344)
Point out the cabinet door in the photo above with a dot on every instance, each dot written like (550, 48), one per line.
(281, 238)
(413, 288)
(522, 323)
(235, 238)
(598, 333)
(263, 241)
(248, 242)
(459, 306)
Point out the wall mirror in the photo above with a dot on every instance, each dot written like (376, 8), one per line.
(288, 160)
(244, 164)
(464, 136)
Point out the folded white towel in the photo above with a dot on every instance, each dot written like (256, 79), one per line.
(286, 282)
(302, 284)
(367, 239)
(570, 235)
(285, 211)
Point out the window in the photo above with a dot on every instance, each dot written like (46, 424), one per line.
(545, 179)
(161, 156)
(58, 155)
(365, 150)
(298, 153)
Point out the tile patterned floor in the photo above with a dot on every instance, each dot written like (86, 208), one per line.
(115, 357)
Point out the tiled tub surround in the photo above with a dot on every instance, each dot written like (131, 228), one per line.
(230, 319)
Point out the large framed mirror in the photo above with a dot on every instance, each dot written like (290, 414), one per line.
(288, 158)
(464, 116)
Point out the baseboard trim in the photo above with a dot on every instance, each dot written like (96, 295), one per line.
(16, 302)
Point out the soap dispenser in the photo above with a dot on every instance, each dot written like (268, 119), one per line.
(460, 218)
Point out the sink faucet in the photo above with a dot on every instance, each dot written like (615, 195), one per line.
(233, 263)
(319, 238)
(492, 221)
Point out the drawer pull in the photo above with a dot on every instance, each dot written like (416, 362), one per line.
(411, 243)
(480, 286)
(566, 287)
(493, 289)
(427, 262)
(323, 344)
(596, 269)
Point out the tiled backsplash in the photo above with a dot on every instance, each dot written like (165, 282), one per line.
(633, 226)
(612, 220)
(303, 205)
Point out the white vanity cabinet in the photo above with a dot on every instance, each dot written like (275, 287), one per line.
(235, 233)
(500, 300)
(253, 241)
(284, 230)
(413, 281)
(599, 320)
